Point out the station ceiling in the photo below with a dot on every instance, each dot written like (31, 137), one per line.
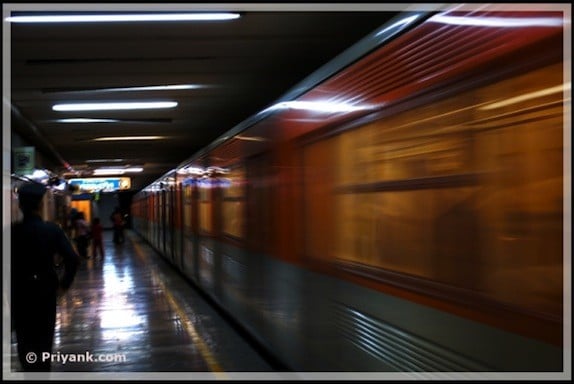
(239, 66)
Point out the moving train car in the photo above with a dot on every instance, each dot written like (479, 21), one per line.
(401, 209)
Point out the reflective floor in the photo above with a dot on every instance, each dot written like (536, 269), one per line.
(131, 312)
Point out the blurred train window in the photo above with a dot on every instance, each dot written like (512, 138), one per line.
(205, 207)
(167, 208)
(187, 207)
(262, 175)
(318, 203)
(233, 187)
(466, 191)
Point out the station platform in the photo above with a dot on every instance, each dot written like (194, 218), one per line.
(131, 312)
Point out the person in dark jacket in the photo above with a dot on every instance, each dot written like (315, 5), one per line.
(118, 222)
(97, 233)
(35, 285)
(82, 235)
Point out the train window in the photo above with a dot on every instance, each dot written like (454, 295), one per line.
(167, 207)
(465, 191)
(318, 205)
(187, 207)
(205, 205)
(233, 187)
(233, 183)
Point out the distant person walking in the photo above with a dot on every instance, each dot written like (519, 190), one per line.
(118, 221)
(97, 232)
(35, 285)
(82, 235)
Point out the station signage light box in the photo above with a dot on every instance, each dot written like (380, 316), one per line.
(102, 184)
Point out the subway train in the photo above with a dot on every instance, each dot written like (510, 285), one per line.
(402, 209)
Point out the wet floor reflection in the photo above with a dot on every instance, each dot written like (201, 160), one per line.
(116, 308)
(119, 319)
(135, 312)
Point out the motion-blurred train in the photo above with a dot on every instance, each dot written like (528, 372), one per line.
(401, 209)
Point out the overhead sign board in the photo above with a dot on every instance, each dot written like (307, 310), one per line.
(102, 184)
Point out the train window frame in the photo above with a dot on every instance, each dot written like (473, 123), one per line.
(234, 195)
(205, 207)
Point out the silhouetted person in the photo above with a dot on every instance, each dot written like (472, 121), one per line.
(97, 238)
(34, 282)
(118, 222)
(82, 235)
(71, 225)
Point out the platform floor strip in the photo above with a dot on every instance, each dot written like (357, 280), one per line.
(209, 358)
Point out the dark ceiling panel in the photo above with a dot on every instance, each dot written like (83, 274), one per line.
(248, 64)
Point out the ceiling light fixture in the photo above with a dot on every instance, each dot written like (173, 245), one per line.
(116, 171)
(104, 161)
(114, 106)
(128, 138)
(172, 87)
(85, 120)
(498, 22)
(85, 18)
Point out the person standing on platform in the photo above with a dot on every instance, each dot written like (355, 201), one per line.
(97, 238)
(71, 227)
(118, 222)
(82, 235)
(35, 285)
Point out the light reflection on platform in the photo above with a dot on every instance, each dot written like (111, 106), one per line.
(125, 305)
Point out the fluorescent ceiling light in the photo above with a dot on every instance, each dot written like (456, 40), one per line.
(118, 138)
(116, 171)
(104, 161)
(134, 169)
(131, 169)
(114, 106)
(103, 172)
(85, 120)
(173, 87)
(123, 18)
(506, 22)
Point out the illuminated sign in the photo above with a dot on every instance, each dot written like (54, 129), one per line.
(104, 184)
